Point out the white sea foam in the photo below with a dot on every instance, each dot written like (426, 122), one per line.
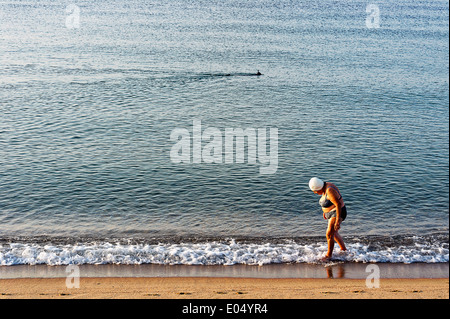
(212, 253)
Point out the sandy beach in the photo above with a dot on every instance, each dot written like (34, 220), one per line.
(283, 281)
(223, 288)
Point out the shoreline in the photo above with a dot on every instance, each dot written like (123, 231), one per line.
(271, 271)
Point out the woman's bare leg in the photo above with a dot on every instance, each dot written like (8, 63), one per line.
(333, 235)
(330, 236)
(340, 241)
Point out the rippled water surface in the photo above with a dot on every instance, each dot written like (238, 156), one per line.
(86, 116)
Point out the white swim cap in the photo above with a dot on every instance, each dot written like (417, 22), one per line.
(315, 184)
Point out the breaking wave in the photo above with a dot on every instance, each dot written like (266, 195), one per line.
(248, 251)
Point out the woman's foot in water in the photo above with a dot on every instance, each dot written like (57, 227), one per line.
(328, 258)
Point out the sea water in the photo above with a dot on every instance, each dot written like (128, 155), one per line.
(91, 91)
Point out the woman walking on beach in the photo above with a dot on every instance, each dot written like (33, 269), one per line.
(334, 211)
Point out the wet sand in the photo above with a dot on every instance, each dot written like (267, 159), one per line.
(296, 270)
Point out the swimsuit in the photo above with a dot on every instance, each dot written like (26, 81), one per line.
(325, 203)
(333, 213)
